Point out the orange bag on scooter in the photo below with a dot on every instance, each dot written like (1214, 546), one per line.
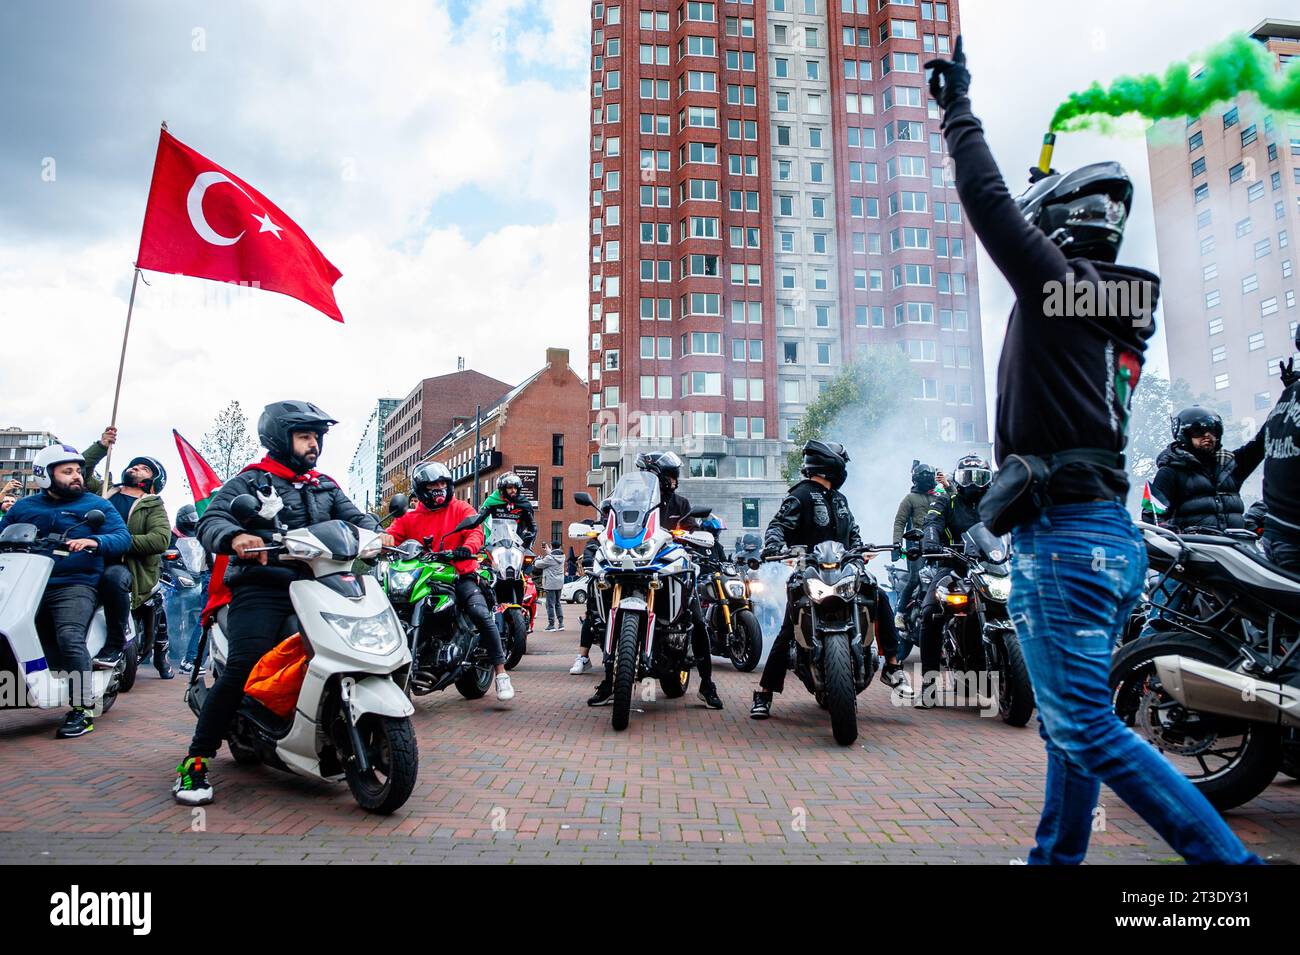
(277, 678)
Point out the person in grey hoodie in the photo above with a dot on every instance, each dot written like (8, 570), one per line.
(552, 568)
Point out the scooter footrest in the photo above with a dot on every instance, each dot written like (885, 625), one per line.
(267, 721)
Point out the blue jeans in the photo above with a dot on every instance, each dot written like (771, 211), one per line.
(184, 611)
(1076, 574)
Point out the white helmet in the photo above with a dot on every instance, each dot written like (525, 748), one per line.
(51, 457)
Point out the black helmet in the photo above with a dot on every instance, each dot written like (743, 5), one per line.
(280, 419)
(187, 520)
(665, 464)
(510, 479)
(424, 477)
(923, 477)
(1192, 422)
(159, 479)
(826, 459)
(972, 476)
(1084, 211)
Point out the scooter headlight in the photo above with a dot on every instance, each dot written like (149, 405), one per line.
(379, 634)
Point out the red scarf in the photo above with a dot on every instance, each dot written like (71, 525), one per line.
(218, 593)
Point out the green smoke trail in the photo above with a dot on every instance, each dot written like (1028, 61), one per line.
(1237, 65)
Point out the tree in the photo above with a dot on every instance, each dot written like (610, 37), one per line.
(227, 445)
(859, 400)
(401, 482)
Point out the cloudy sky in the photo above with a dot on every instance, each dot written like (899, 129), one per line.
(435, 151)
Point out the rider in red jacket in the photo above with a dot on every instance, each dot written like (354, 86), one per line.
(432, 521)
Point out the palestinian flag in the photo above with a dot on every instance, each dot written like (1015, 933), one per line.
(1151, 503)
(203, 480)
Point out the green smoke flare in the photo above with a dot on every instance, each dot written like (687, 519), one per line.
(1237, 65)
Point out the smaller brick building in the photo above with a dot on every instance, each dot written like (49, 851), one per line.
(538, 430)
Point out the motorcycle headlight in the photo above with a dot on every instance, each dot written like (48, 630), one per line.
(400, 582)
(735, 588)
(379, 634)
(302, 550)
(818, 590)
(847, 587)
(999, 588)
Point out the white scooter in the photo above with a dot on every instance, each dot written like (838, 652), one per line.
(26, 680)
(351, 719)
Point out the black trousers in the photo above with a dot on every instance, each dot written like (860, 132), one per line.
(699, 646)
(257, 620)
(64, 615)
(778, 658)
(471, 602)
(115, 595)
(1283, 551)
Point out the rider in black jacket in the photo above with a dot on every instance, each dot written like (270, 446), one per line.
(1198, 484)
(948, 519)
(673, 509)
(293, 493)
(814, 511)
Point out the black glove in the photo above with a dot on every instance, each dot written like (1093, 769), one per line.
(897, 553)
(950, 79)
(770, 552)
(932, 548)
(1289, 375)
(462, 553)
(1035, 174)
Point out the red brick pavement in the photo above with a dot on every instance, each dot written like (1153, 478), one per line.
(547, 777)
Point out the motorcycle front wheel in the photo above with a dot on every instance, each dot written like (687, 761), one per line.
(626, 653)
(838, 694)
(745, 647)
(394, 761)
(1015, 692)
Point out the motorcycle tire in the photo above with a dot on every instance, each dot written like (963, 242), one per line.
(1290, 765)
(675, 684)
(841, 700)
(517, 646)
(1260, 755)
(626, 654)
(394, 763)
(241, 754)
(132, 661)
(1015, 692)
(751, 640)
(473, 684)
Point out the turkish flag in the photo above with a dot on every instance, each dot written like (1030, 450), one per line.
(205, 221)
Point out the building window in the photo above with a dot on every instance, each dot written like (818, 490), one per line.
(1221, 382)
(703, 467)
(751, 467)
(557, 450)
(557, 493)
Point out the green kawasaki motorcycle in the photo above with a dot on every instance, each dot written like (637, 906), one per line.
(421, 585)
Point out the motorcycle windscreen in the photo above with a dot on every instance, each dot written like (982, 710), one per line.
(634, 499)
(503, 532)
(994, 549)
(191, 553)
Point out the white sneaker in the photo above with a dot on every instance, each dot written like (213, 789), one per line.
(505, 689)
(899, 622)
(580, 666)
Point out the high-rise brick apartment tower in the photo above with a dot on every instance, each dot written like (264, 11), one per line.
(768, 200)
(1226, 192)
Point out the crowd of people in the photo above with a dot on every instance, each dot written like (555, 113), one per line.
(1065, 390)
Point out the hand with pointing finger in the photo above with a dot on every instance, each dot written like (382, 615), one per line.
(949, 79)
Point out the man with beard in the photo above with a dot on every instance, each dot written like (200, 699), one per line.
(1198, 484)
(128, 586)
(70, 595)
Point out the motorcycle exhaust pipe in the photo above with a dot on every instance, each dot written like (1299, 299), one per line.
(1215, 689)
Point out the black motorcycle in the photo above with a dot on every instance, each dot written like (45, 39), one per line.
(833, 651)
(733, 629)
(1217, 688)
(978, 637)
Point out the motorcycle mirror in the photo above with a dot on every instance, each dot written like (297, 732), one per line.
(753, 563)
(702, 510)
(466, 524)
(913, 535)
(399, 504)
(95, 519)
(582, 497)
(244, 507)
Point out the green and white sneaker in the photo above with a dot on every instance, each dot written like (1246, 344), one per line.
(192, 787)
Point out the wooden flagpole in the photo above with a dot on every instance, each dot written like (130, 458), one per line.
(121, 365)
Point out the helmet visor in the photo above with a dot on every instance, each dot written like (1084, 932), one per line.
(972, 477)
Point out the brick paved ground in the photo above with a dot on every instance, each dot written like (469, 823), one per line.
(546, 779)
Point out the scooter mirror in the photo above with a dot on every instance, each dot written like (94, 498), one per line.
(95, 519)
(244, 508)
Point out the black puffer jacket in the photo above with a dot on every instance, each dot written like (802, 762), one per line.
(304, 505)
(1189, 491)
(808, 515)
